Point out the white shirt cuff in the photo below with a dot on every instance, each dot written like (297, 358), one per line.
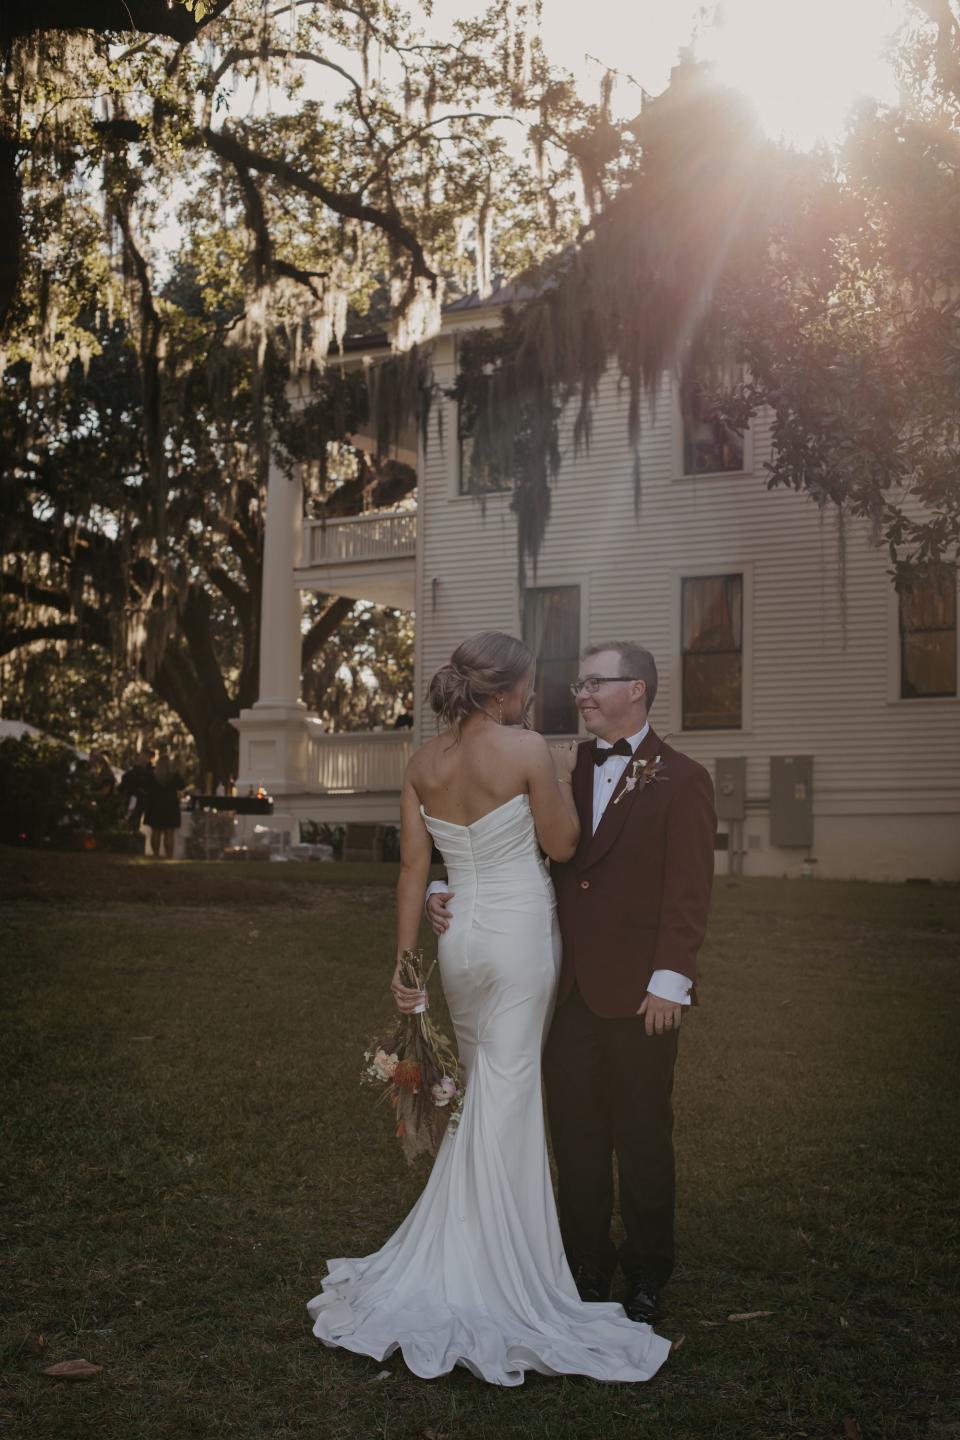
(670, 985)
(436, 887)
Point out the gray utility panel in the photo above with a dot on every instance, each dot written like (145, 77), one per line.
(791, 800)
(731, 787)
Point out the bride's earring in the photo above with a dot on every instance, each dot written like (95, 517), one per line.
(499, 709)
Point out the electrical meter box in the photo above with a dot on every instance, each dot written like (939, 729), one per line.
(791, 800)
(731, 786)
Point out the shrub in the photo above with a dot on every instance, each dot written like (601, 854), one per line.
(48, 796)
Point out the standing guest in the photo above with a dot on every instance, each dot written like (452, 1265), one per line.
(136, 782)
(404, 720)
(162, 811)
(102, 779)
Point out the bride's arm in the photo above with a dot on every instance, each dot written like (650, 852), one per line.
(549, 780)
(416, 848)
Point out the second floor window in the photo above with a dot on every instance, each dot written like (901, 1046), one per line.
(710, 445)
(712, 645)
(928, 637)
(551, 627)
(487, 481)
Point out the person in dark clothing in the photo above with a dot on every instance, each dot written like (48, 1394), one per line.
(162, 811)
(136, 782)
(404, 720)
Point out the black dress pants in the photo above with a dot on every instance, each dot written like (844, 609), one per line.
(608, 1093)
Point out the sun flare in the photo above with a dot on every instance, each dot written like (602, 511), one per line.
(803, 67)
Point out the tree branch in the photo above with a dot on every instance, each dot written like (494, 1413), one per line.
(350, 206)
(156, 17)
(322, 628)
(36, 594)
(231, 590)
(11, 640)
(419, 130)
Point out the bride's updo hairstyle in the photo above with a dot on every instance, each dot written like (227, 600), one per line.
(485, 665)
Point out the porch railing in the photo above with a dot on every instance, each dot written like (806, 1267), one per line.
(380, 535)
(363, 761)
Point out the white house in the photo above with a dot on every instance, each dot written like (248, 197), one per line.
(827, 710)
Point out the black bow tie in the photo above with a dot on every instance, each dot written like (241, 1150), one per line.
(622, 747)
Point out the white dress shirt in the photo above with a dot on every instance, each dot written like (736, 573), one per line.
(665, 984)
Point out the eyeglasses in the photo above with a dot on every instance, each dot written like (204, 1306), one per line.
(593, 682)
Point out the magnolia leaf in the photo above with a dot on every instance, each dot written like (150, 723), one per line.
(750, 1315)
(73, 1370)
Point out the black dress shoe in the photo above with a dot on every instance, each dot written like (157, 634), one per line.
(594, 1288)
(643, 1304)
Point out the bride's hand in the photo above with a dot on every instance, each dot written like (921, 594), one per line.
(564, 757)
(408, 1001)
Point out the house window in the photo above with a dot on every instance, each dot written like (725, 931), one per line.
(928, 637)
(710, 444)
(487, 482)
(552, 630)
(712, 640)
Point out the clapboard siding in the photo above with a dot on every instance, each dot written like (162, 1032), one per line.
(822, 641)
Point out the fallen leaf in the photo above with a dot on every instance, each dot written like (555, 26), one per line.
(750, 1315)
(73, 1370)
(382, 1375)
(431, 1434)
(851, 1429)
(709, 1324)
(680, 1340)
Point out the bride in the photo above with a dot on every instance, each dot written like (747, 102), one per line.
(476, 1274)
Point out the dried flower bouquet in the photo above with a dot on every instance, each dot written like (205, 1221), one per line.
(420, 1066)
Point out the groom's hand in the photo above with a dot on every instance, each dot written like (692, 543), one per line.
(437, 912)
(660, 1015)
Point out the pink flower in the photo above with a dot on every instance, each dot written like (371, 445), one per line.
(444, 1091)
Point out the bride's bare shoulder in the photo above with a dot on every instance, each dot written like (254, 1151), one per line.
(523, 742)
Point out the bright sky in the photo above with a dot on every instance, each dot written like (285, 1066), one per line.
(802, 63)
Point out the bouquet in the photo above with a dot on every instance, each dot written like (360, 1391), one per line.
(420, 1066)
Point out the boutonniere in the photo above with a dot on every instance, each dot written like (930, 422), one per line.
(641, 772)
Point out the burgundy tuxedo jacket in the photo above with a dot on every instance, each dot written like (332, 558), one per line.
(635, 896)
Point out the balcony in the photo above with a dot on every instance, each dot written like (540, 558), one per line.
(364, 557)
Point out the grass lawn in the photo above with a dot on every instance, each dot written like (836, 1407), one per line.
(185, 1141)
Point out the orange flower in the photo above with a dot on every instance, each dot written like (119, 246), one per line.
(407, 1076)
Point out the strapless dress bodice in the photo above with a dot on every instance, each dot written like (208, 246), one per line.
(499, 845)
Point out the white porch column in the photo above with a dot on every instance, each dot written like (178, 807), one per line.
(276, 735)
(280, 604)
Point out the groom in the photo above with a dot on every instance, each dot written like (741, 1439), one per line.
(633, 909)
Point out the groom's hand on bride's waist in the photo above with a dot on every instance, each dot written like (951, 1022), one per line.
(660, 1015)
(437, 912)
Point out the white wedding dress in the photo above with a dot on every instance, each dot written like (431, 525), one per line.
(476, 1274)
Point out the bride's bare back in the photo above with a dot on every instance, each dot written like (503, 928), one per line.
(461, 780)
